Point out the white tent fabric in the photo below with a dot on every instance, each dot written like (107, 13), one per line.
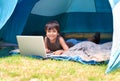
(114, 62)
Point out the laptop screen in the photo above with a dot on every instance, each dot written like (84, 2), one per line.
(31, 45)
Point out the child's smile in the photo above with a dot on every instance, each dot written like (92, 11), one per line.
(52, 34)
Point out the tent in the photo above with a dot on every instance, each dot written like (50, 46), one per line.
(114, 62)
(20, 17)
(29, 18)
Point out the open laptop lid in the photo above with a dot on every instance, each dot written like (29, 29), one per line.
(31, 45)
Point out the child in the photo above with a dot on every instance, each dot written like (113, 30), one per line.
(53, 41)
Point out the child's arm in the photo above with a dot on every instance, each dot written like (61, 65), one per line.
(63, 44)
(58, 52)
(46, 47)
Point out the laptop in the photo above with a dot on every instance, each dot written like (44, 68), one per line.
(31, 45)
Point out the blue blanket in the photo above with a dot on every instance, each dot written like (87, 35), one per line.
(84, 52)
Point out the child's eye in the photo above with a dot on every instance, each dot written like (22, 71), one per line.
(48, 31)
(54, 31)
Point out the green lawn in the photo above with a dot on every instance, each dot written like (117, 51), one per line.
(19, 68)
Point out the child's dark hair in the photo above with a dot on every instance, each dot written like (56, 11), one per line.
(51, 25)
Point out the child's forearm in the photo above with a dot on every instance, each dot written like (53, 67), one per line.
(58, 52)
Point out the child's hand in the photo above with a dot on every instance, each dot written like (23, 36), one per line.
(59, 52)
(47, 50)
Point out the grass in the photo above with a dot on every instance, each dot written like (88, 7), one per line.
(19, 68)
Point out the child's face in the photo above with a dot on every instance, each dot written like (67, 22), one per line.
(52, 34)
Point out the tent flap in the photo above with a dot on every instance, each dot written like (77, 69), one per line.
(16, 22)
(114, 62)
(6, 10)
